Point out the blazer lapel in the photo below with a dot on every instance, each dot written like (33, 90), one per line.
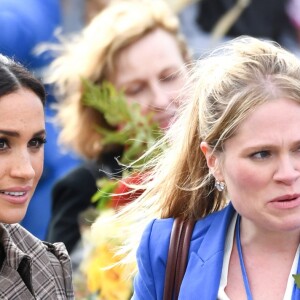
(203, 273)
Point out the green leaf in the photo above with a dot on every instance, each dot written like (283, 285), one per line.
(130, 128)
(105, 99)
(103, 196)
(297, 280)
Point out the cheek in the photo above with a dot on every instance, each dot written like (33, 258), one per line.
(38, 164)
(244, 178)
(174, 89)
(142, 99)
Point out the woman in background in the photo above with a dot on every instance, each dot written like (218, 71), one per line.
(232, 163)
(137, 46)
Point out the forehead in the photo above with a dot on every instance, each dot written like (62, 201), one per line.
(21, 106)
(271, 121)
(157, 50)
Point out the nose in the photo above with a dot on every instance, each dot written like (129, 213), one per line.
(161, 98)
(287, 170)
(22, 166)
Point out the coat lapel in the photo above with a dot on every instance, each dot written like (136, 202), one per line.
(203, 273)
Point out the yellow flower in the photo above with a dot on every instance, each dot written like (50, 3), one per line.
(111, 280)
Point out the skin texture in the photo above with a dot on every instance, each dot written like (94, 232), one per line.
(262, 162)
(156, 82)
(261, 168)
(22, 138)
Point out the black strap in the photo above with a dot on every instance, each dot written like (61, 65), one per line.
(177, 256)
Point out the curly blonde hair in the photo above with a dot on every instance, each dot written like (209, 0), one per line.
(90, 55)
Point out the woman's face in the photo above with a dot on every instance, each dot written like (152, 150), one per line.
(22, 137)
(261, 166)
(148, 73)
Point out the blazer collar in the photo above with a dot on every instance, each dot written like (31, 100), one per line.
(204, 268)
(214, 239)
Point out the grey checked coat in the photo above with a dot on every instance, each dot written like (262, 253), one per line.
(32, 269)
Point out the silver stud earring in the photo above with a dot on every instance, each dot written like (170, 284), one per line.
(220, 186)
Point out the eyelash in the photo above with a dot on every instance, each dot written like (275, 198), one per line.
(255, 155)
(39, 140)
(134, 91)
(168, 78)
(268, 153)
(139, 88)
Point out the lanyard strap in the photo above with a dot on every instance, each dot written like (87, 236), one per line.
(239, 247)
(296, 291)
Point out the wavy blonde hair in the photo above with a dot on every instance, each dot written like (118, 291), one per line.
(224, 87)
(90, 55)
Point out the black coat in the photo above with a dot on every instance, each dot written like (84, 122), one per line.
(72, 195)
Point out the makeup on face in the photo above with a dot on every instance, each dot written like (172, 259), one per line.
(22, 139)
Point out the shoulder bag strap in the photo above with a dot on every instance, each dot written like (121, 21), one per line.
(177, 256)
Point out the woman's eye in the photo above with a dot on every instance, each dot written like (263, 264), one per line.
(37, 142)
(169, 77)
(261, 154)
(3, 144)
(134, 90)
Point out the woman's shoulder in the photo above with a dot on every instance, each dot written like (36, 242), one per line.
(160, 227)
(87, 172)
(153, 250)
(76, 175)
(46, 260)
(23, 240)
(158, 231)
(78, 182)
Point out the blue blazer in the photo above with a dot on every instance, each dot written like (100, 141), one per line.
(203, 273)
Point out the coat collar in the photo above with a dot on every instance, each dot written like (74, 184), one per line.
(214, 239)
(205, 263)
(25, 264)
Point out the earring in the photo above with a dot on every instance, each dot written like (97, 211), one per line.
(220, 186)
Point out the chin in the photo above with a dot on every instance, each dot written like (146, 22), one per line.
(12, 218)
(289, 225)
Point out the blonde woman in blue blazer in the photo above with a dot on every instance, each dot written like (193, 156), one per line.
(231, 162)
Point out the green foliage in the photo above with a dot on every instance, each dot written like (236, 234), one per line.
(132, 129)
(297, 280)
(102, 196)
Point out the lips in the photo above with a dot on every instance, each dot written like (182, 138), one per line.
(16, 195)
(286, 201)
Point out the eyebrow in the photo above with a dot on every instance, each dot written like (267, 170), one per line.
(133, 80)
(16, 134)
(269, 146)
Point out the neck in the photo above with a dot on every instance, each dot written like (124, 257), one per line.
(258, 237)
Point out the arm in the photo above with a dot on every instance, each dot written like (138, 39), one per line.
(151, 259)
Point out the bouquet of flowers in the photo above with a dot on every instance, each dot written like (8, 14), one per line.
(103, 278)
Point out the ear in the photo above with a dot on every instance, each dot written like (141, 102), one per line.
(212, 160)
